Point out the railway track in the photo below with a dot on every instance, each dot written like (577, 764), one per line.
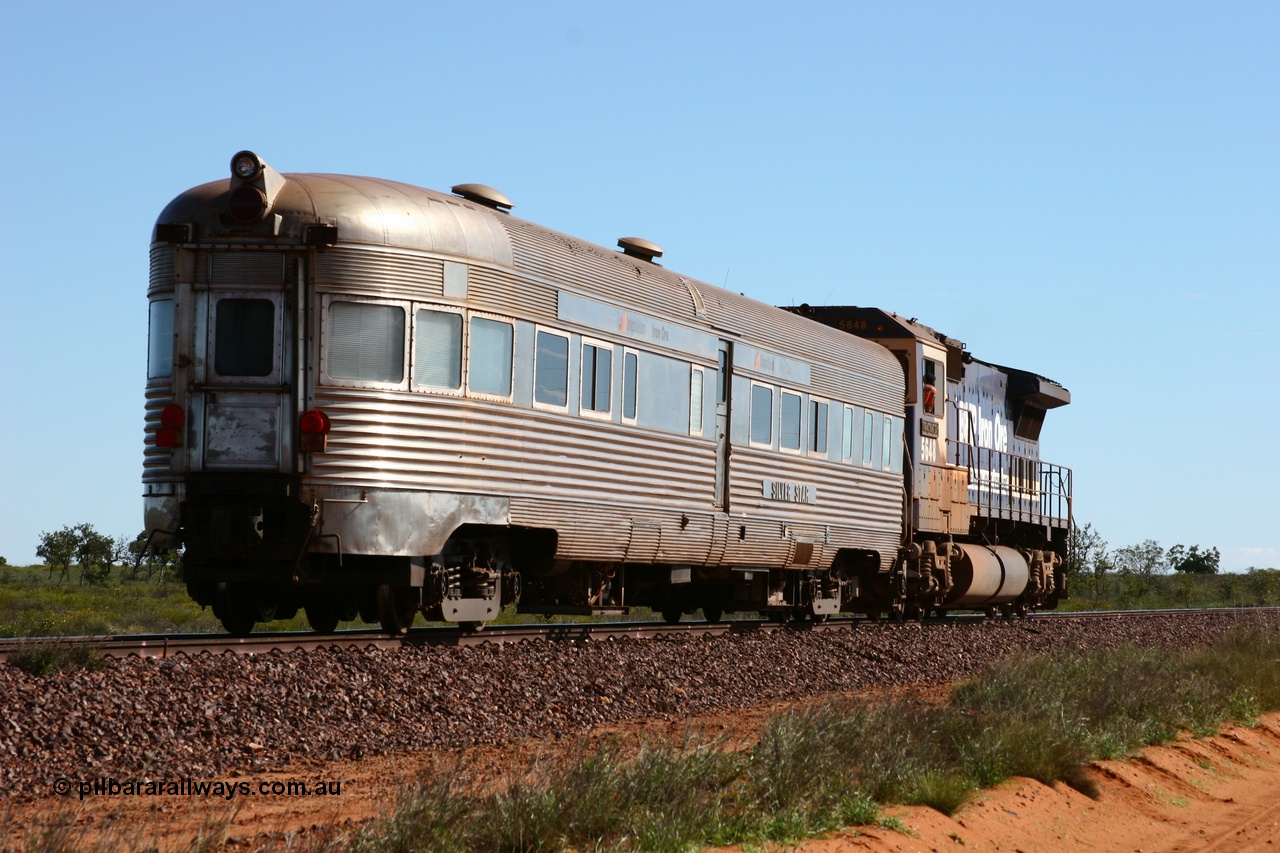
(168, 645)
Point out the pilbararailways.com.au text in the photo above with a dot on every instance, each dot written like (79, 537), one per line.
(110, 787)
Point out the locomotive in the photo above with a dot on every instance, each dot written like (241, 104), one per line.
(369, 400)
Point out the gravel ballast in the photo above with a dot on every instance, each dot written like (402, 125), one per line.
(197, 717)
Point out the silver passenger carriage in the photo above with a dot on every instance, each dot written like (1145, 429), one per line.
(368, 399)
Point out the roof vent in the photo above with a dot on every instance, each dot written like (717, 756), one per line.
(481, 194)
(638, 248)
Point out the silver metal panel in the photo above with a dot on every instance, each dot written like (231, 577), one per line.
(242, 430)
(379, 521)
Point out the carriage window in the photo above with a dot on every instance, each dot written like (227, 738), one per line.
(817, 427)
(696, 380)
(761, 414)
(366, 342)
(551, 370)
(489, 357)
(597, 373)
(437, 349)
(160, 340)
(886, 457)
(895, 461)
(629, 364)
(848, 433)
(868, 425)
(244, 337)
(790, 421)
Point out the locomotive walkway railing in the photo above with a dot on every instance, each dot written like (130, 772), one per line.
(1017, 488)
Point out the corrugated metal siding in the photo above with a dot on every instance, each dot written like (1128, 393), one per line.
(155, 461)
(586, 479)
(456, 444)
(380, 272)
(240, 267)
(505, 293)
(162, 267)
(856, 507)
(584, 266)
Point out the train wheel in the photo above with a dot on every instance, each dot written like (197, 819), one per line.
(713, 614)
(396, 609)
(671, 615)
(237, 615)
(323, 617)
(470, 627)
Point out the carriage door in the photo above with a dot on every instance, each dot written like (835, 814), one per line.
(246, 390)
(724, 390)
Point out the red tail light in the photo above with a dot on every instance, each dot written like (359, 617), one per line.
(314, 426)
(172, 419)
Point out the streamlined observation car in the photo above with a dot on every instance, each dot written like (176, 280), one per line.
(369, 399)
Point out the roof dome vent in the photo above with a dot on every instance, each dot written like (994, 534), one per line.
(481, 194)
(639, 248)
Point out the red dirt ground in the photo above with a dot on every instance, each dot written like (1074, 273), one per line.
(1217, 794)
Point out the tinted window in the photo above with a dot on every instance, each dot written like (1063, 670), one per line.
(629, 365)
(848, 432)
(817, 427)
(437, 349)
(695, 402)
(245, 343)
(868, 427)
(597, 371)
(551, 370)
(489, 358)
(762, 414)
(366, 342)
(790, 421)
(160, 340)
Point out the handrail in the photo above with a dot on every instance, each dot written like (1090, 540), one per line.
(1019, 488)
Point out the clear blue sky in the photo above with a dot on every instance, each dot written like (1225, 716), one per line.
(1088, 190)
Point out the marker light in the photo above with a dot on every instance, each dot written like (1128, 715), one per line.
(314, 425)
(172, 419)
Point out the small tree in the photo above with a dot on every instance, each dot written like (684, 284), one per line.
(1087, 554)
(1143, 560)
(1193, 561)
(80, 545)
(58, 550)
(95, 553)
(1263, 585)
(159, 563)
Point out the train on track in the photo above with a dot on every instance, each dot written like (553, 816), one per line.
(369, 400)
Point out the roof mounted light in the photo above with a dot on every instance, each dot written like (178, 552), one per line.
(246, 166)
(252, 190)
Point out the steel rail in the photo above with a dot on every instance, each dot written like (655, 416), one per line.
(168, 645)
